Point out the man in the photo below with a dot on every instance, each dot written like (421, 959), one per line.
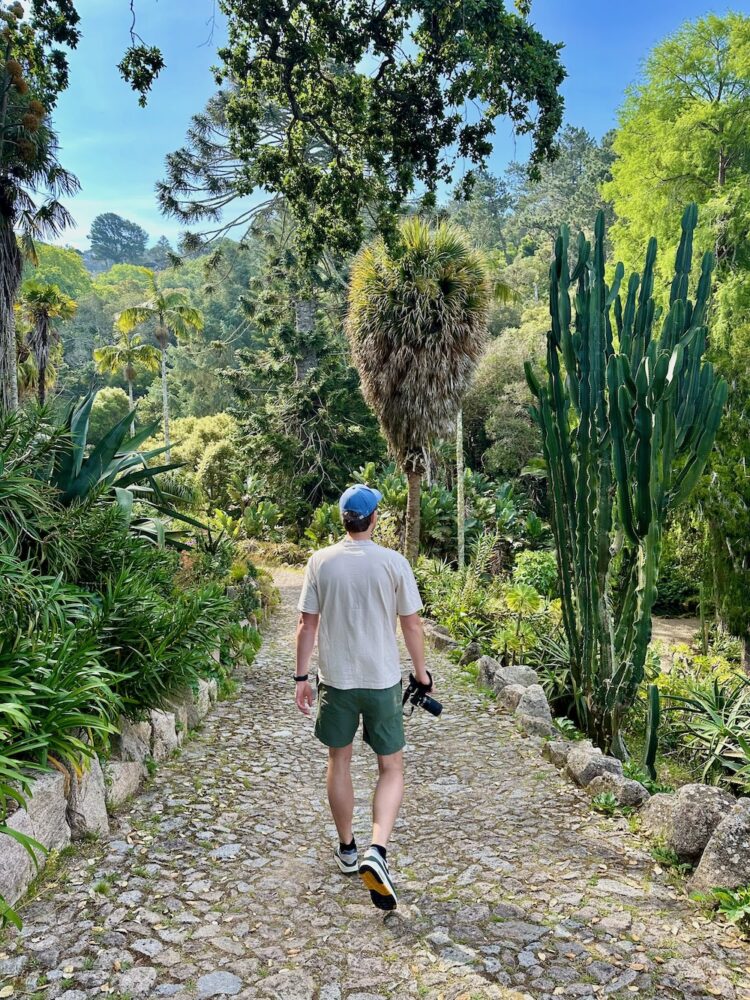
(351, 596)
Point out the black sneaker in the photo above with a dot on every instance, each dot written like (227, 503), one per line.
(348, 861)
(373, 870)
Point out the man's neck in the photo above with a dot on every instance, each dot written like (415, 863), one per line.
(360, 536)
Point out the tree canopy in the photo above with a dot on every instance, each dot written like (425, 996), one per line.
(117, 240)
(59, 266)
(372, 98)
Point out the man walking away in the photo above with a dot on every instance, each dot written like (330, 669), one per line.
(352, 594)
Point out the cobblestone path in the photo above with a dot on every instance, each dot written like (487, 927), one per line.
(219, 879)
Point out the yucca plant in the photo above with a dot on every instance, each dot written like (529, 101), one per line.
(714, 720)
(417, 323)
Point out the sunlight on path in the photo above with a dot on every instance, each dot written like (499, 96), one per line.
(220, 880)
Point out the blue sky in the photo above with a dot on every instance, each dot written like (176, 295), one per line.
(117, 149)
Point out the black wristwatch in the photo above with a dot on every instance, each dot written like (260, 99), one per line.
(302, 677)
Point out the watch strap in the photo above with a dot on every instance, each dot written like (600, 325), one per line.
(301, 677)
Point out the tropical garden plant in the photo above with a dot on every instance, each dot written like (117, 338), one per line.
(628, 413)
(417, 324)
(44, 306)
(172, 314)
(128, 356)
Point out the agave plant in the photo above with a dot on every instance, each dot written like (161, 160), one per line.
(715, 723)
(116, 467)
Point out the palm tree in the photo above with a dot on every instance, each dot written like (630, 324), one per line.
(29, 169)
(43, 304)
(417, 323)
(127, 355)
(173, 315)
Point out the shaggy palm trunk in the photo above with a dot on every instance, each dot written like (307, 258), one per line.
(460, 499)
(11, 266)
(131, 405)
(411, 539)
(41, 345)
(42, 383)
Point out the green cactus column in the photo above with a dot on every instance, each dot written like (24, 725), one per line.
(628, 415)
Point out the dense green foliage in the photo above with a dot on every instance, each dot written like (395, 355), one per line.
(117, 240)
(683, 136)
(95, 620)
(234, 361)
(337, 144)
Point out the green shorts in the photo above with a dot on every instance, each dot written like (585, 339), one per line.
(339, 712)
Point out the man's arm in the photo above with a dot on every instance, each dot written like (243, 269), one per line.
(307, 630)
(411, 627)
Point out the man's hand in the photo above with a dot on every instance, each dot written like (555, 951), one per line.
(304, 697)
(422, 677)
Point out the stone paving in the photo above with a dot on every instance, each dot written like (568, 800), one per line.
(219, 880)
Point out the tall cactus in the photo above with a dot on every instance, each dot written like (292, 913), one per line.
(628, 417)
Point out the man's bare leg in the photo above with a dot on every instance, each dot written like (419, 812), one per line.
(341, 791)
(389, 792)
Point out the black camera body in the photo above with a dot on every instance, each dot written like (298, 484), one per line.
(417, 696)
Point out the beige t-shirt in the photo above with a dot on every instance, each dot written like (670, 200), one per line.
(359, 588)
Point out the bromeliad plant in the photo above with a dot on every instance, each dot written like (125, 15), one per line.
(628, 417)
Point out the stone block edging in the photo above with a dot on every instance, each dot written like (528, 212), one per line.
(70, 806)
(701, 824)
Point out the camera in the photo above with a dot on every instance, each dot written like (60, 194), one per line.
(416, 696)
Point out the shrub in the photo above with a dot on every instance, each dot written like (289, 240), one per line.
(158, 645)
(537, 569)
(261, 520)
(325, 526)
(110, 406)
(215, 471)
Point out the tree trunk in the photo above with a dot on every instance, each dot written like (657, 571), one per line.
(165, 400)
(42, 383)
(131, 407)
(460, 500)
(11, 266)
(304, 321)
(411, 539)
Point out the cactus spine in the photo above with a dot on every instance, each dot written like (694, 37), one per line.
(628, 418)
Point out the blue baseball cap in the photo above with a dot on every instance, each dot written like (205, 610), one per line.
(360, 499)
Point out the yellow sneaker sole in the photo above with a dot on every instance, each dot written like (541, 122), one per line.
(374, 884)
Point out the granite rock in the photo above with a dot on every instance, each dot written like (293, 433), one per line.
(44, 819)
(686, 819)
(122, 779)
(625, 790)
(163, 735)
(726, 858)
(87, 805)
(586, 763)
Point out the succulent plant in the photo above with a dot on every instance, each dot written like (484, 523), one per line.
(628, 415)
